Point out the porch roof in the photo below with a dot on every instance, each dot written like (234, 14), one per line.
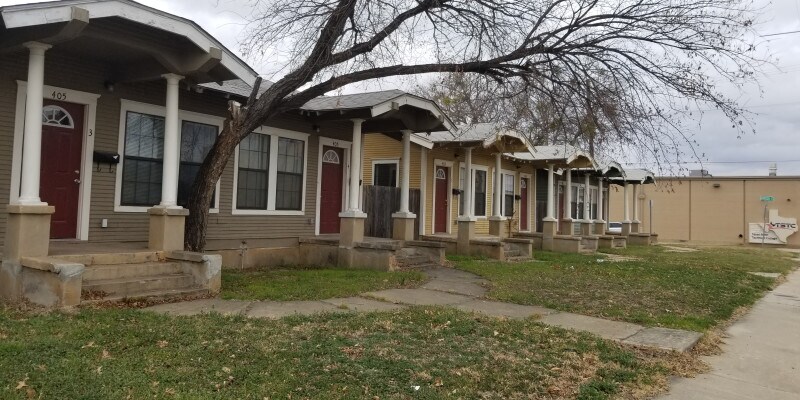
(140, 42)
(636, 176)
(560, 156)
(488, 135)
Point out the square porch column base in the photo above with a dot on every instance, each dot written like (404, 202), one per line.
(403, 226)
(466, 232)
(567, 226)
(351, 228)
(167, 227)
(587, 228)
(28, 231)
(600, 228)
(635, 226)
(498, 226)
(626, 228)
(549, 229)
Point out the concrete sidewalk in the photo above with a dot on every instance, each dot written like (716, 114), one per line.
(761, 358)
(447, 287)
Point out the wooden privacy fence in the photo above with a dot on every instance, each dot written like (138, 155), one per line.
(380, 202)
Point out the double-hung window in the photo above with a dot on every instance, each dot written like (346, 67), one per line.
(581, 202)
(196, 141)
(253, 172)
(508, 195)
(289, 191)
(141, 145)
(478, 194)
(270, 172)
(144, 154)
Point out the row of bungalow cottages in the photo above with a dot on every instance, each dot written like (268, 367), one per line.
(108, 108)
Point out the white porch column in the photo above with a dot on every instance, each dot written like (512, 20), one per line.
(466, 222)
(403, 221)
(355, 167)
(549, 222)
(626, 222)
(498, 185)
(600, 199)
(567, 227)
(405, 175)
(32, 136)
(625, 214)
(497, 222)
(587, 226)
(28, 223)
(470, 211)
(635, 222)
(351, 230)
(167, 219)
(551, 212)
(587, 206)
(172, 144)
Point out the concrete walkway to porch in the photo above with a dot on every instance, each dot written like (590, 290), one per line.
(447, 287)
(761, 358)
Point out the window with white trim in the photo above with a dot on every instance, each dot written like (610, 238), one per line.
(289, 183)
(384, 174)
(593, 203)
(508, 195)
(271, 172)
(196, 141)
(253, 177)
(581, 200)
(478, 194)
(144, 153)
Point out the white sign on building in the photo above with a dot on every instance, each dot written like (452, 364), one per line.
(777, 230)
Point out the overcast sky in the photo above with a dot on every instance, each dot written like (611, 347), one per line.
(777, 111)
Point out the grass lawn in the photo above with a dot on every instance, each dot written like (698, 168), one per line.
(311, 284)
(693, 290)
(420, 353)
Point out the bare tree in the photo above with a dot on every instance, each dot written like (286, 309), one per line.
(661, 50)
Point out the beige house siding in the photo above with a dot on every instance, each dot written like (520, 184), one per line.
(225, 230)
(378, 146)
(692, 209)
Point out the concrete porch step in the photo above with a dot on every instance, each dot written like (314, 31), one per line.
(512, 253)
(126, 271)
(151, 295)
(114, 258)
(135, 287)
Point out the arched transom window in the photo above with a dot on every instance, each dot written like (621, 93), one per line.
(440, 174)
(56, 116)
(331, 157)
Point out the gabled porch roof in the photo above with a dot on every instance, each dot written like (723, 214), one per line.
(140, 42)
(560, 156)
(636, 176)
(487, 135)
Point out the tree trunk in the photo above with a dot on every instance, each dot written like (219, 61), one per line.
(203, 188)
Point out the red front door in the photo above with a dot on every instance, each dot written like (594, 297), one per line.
(62, 141)
(523, 209)
(331, 189)
(442, 196)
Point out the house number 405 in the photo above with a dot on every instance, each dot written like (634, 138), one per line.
(59, 95)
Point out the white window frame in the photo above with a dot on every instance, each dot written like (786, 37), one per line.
(159, 111)
(272, 180)
(476, 167)
(395, 161)
(514, 179)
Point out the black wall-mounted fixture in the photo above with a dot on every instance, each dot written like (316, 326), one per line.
(457, 192)
(106, 157)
